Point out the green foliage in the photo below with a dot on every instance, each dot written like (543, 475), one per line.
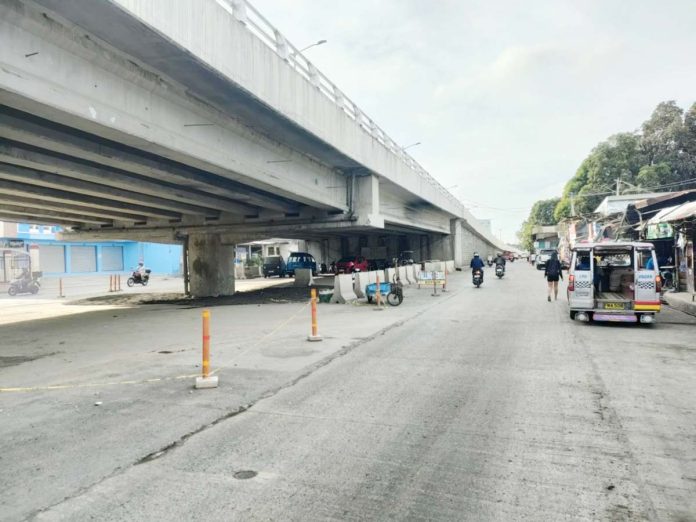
(661, 156)
(662, 153)
(542, 213)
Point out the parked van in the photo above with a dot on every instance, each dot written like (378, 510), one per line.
(300, 260)
(614, 281)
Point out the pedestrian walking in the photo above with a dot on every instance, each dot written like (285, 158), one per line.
(552, 273)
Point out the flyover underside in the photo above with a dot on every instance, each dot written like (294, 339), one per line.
(93, 139)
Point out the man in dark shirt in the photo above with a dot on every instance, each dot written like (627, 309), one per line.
(477, 264)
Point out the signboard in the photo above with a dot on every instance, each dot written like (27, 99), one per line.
(431, 278)
(659, 231)
(11, 243)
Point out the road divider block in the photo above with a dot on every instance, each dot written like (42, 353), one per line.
(403, 275)
(362, 279)
(303, 277)
(389, 274)
(343, 289)
(415, 270)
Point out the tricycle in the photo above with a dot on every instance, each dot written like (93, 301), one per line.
(393, 292)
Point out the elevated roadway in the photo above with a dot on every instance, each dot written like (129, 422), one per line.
(197, 122)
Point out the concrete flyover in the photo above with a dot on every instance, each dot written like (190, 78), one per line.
(197, 122)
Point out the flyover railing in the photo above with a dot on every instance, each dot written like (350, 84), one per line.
(246, 14)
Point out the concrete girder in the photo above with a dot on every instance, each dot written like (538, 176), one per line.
(292, 229)
(46, 179)
(30, 158)
(25, 211)
(39, 204)
(50, 194)
(26, 128)
(20, 218)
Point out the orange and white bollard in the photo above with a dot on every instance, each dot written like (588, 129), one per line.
(118, 283)
(206, 380)
(111, 283)
(378, 294)
(315, 328)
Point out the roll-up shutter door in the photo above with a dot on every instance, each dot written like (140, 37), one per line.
(83, 259)
(52, 258)
(112, 258)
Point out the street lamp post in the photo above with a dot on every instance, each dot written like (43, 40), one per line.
(320, 42)
(411, 145)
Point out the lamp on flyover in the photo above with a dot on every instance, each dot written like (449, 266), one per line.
(320, 42)
(411, 145)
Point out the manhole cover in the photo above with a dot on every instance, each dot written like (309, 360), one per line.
(245, 474)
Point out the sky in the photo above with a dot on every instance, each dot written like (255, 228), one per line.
(507, 98)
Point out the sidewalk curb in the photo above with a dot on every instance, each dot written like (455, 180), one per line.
(681, 304)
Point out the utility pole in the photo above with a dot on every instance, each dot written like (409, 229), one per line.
(572, 204)
(618, 186)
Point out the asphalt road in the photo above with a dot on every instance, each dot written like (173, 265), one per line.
(492, 405)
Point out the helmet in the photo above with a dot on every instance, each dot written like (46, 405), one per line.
(475, 254)
(140, 264)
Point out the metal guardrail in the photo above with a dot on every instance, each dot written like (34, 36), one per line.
(247, 15)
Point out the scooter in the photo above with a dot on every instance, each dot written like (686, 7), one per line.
(478, 278)
(499, 271)
(24, 286)
(137, 279)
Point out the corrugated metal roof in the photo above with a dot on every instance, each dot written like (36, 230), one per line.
(675, 213)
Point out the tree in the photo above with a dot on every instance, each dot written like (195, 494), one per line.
(542, 213)
(662, 156)
(663, 135)
(620, 157)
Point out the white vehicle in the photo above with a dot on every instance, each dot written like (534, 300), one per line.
(542, 257)
(614, 282)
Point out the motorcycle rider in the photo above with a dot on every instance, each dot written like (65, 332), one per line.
(500, 260)
(140, 272)
(477, 264)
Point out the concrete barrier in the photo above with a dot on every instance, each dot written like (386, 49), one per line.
(303, 277)
(389, 274)
(450, 266)
(372, 276)
(404, 276)
(415, 269)
(362, 279)
(343, 289)
(432, 266)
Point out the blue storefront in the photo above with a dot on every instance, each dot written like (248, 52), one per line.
(95, 257)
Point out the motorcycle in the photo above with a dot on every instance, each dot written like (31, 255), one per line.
(24, 286)
(477, 278)
(137, 279)
(667, 276)
(499, 271)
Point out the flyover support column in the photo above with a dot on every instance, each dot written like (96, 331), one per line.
(210, 265)
(366, 201)
(441, 247)
(457, 235)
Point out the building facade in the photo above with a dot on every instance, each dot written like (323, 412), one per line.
(65, 258)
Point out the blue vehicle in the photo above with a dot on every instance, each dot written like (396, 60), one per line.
(300, 260)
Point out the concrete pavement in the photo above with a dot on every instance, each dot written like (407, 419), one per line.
(481, 404)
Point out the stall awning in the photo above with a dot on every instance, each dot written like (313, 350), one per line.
(673, 214)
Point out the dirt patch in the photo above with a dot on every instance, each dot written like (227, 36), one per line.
(14, 360)
(271, 295)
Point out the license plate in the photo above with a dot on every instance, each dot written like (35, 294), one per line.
(614, 306)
